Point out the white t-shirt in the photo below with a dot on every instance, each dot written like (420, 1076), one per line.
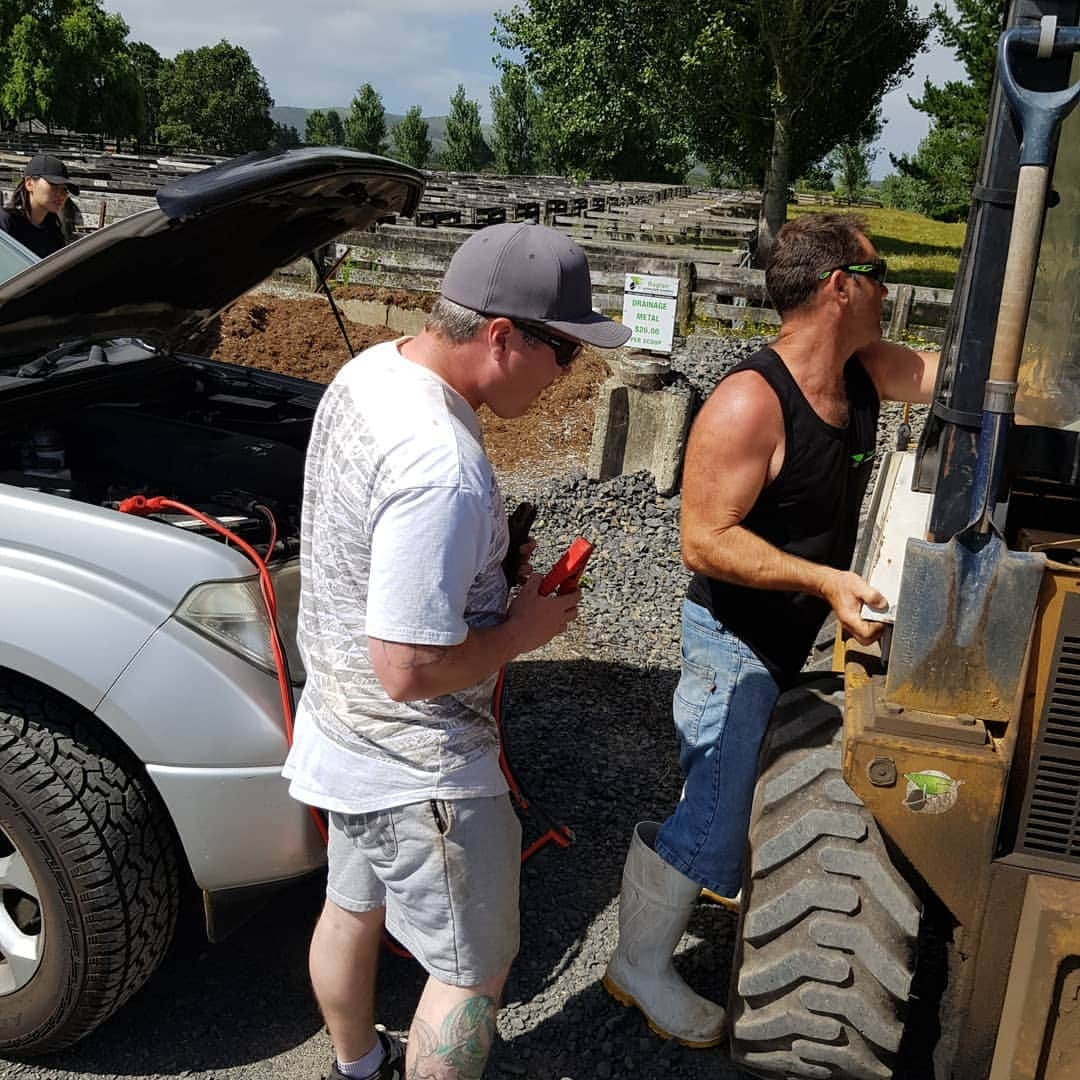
(403, 534)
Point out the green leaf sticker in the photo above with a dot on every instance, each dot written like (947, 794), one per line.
(930, 792)
(931, 783)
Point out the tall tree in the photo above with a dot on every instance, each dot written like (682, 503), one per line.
(28, 74)
(515, 110)
(606, 70)
(465, 149)
(285, 136)
(942, 171)
(67, 62)
(215, 100)
(850, 163)
(810, 75)
(410, 137)
(148, 64)
(365, 125)
(324, 128)
(97, 82)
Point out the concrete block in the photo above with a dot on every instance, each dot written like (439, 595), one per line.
(640, 430)
(368, 312)
(405, 320)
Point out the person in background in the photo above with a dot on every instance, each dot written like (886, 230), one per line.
(33, 215)
(777, 464)
(404, 625)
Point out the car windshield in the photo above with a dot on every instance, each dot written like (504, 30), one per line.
(14, 258)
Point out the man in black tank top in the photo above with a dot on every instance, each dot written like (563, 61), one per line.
(776, 468)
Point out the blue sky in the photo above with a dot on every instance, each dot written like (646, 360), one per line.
(414, 52)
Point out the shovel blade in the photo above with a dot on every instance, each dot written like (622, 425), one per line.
(962, 626)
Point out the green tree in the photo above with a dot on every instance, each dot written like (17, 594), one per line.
(410, 137)
(606, 71)
(940, 175)
(938, 183)
(215, 100)
(28, 77)
(68, 62)
(816, 177)
(324, 128)
(285, 136)
(148, 64)
(365, 126)
(810, 75)
(850, 163)
(97, 86)
(465, 150)
(515, 110)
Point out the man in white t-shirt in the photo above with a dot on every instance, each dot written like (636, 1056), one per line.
(404, 625)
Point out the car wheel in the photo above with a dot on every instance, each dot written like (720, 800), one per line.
(827, 936)
(89, 887)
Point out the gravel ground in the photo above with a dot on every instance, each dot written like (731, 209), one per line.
(589, 735)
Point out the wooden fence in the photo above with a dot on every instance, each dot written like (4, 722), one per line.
(715, 286)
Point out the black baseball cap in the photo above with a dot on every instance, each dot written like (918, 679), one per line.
(534, 274)
(52, 169)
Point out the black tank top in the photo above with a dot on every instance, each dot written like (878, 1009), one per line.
(811, 509)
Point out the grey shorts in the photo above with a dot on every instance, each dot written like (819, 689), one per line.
(447, 872)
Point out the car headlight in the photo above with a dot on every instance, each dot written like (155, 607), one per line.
(233, 614)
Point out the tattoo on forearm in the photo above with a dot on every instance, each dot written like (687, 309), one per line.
(459, 1050)
(407, 657)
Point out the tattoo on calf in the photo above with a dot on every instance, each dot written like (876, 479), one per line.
(459, 1050)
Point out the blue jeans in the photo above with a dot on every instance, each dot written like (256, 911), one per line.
(722, 706)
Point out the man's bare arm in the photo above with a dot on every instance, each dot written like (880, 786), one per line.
(900, 373)
(410, 672)
(734, 450)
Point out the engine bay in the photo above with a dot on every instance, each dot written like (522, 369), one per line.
(119, 420)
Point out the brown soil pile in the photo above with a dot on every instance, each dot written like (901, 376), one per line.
(300, 337)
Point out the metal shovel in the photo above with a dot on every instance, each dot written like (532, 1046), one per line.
(965, 608)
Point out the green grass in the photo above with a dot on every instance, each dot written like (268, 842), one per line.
(920, 251)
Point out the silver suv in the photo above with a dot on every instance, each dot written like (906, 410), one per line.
(142, 726)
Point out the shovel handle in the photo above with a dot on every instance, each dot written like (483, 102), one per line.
(1019, 280)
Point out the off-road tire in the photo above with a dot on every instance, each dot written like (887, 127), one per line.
(826, 944)
(83, 814)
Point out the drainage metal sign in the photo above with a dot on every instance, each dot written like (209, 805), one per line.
(649, 310)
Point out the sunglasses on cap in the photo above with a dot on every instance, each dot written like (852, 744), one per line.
(875, 270)
(566, 351)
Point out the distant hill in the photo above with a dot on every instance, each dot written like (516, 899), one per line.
(297, 118)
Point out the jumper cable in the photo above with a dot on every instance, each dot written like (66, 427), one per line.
(143, 506)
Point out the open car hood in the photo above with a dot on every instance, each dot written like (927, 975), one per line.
(164, 273)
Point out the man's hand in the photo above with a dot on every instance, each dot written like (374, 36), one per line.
(534, 619)
(846, 592)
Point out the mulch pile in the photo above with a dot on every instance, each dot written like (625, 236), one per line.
(300, 337)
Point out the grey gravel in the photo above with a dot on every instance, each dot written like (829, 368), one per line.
(589, 736)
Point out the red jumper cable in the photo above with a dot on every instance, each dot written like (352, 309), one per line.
(143, 506)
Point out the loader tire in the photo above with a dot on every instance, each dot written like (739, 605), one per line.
(826, 944)
(89, 886)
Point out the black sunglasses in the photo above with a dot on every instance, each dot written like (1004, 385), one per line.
(566, 351)
(875, 270)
